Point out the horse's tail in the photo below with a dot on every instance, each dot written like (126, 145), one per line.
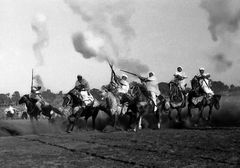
(58, 111)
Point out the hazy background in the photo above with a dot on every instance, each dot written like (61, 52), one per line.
(63, 38)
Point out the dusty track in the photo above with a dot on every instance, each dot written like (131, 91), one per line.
(147, 148)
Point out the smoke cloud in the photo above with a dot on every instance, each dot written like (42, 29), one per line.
(110, 21)
(40, 28)
(132, 65)
(38, 82)
(80, 45)
(221, 62)
(224, 16)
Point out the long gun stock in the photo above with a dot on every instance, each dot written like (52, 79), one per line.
(113, 72)
(32, 81)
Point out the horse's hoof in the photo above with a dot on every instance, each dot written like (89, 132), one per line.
(68, 131)
(195, 125)
(159, 126)
(135, 129)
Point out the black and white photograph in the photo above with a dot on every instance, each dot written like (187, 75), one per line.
(119, 83)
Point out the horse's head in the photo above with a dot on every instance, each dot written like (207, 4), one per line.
(138, 90)
(173, 87)
(216, 101)
(24, 99)
(195, 83)
(67, 100)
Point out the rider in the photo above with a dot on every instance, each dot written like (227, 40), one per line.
(179, 78)
(123, 86)
(204, 81)
(151, 83)
(36, 95)
(83, 89)
(82, 83)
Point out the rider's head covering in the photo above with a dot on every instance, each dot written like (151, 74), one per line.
(79, 77)
(151, 73)
(179, 67)
(201, 69)
(124, 75)
(36, 88)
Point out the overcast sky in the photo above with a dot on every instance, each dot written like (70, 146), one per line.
(63, 38)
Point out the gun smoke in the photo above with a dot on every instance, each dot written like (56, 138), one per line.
(221, 62)
(40, 28)
(109, 21)
(38, 82)
(224, 16)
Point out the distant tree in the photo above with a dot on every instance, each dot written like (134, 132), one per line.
(219, 86)
(5, 99)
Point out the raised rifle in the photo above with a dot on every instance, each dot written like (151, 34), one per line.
(113, 72)
(32, 81)
(140, 77)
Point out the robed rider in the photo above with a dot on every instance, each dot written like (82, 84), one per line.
(204, 81)
(151, 83)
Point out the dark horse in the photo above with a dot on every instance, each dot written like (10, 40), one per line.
(34, 112)
(72, 99)
(175, 101)
(198, 99)
(139, 104)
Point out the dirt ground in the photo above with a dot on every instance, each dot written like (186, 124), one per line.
(40, 146)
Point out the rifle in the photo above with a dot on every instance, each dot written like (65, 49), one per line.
(32, 81)
(140, 77)
(113, 72)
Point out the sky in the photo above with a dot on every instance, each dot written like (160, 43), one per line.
(60, 39)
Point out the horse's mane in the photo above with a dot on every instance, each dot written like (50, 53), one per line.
(194, 82)
(142, 88)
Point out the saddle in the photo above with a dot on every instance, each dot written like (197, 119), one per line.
(86, 97)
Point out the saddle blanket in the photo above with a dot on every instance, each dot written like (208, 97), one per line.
(86, 97)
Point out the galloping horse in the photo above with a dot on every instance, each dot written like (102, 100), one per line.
(176, 100)
(71, 99)
(197, 99)
(34, 112)
(140, 104)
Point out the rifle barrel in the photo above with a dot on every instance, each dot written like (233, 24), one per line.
(129, 73)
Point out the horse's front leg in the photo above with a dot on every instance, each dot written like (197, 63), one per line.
(210, 113)
(71, 123)
(159, 117)
(138, 124)
(170, 114)
(115, 120)
(189, 111)
(179, 110)
(200, 115)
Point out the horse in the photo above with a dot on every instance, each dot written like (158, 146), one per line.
(198, 99)
(139, 103)
(34, 112)
(72, 99)
(177, 100)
